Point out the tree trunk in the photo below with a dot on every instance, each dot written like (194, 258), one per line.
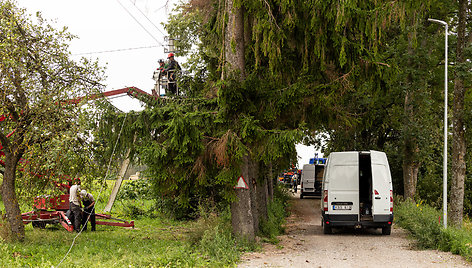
(9, 199)
(270, 183)
(410, 151)
(256, 191)
(261, 195)
(234, 40)
(458, 135)
(410, 178)
(242, 219)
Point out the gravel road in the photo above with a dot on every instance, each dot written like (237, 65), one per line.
(305, 245)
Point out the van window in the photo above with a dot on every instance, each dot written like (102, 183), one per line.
(344, 178)
(381, 172)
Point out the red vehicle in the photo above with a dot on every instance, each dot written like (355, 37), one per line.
(53, 209)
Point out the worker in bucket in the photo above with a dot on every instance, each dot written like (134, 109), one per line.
(158, 76)
(74, 205)
(89, 209)
(171, 76)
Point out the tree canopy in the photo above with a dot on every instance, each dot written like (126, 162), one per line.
(37, 76)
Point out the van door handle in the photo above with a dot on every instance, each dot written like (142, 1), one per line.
(378, 197)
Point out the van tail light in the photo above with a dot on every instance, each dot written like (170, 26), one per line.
(391, 201)
(375, 192)
(325, 200)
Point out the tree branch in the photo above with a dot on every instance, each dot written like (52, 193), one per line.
(271, 15)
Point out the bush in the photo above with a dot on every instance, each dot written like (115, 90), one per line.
(136, 189)
(211, 235)
(424, 223)
(273, 226)
(171, 208)
(276, 214)
(421, 220)
(218, 243)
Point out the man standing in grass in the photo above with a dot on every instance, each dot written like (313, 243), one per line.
(89, 209)
(74, 205)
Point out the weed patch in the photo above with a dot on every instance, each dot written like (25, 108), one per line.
(272, 227)
(424, 223)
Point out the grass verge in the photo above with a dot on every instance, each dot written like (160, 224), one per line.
(424, 224)
(155, 242)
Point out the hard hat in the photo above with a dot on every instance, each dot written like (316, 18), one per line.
(170, 55)
(83, 193)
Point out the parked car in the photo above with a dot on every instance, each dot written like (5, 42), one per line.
(357, 191)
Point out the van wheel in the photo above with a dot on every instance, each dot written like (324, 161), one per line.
(301, 195)
(386, 230)
(326, 229)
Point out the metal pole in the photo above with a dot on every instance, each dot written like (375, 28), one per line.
(445, 125)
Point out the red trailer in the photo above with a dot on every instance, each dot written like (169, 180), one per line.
(53, 210)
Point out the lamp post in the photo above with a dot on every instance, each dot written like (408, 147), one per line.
(445, 126)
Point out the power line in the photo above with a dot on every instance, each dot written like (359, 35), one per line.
(142, 26)
(116, 50)
(134, 4)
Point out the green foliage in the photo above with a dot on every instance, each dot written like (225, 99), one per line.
(41, 127)
(424, 223)
(136, 189)
(218, 243)
(277, 212)
(421, 220)
(138, 209)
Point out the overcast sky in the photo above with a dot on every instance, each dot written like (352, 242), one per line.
(107, 25)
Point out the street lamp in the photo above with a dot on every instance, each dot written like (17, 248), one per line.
(445, 126)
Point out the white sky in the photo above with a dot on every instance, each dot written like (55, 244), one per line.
(103, 25)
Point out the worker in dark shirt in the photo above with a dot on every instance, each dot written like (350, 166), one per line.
(170, 70)
(89, 209)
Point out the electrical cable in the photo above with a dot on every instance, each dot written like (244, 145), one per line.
(147, 18)
(116, 50)
(142, 26)
(100, 192)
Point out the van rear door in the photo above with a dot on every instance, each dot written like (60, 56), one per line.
(381, 186)
(343, 180)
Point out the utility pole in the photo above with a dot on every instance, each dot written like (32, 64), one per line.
(445, 125)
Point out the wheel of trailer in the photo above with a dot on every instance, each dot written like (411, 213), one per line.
(386, 230)
(39, 224)
(327, 229)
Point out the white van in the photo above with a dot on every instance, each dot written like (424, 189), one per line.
(312, 179)
(357, 191)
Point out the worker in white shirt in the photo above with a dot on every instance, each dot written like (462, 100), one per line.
(74, 205)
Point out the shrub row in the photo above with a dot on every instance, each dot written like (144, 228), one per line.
(425, 224)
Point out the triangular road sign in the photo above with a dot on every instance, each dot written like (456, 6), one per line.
(241, 184)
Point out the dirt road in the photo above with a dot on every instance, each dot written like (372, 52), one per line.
(305, 245)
